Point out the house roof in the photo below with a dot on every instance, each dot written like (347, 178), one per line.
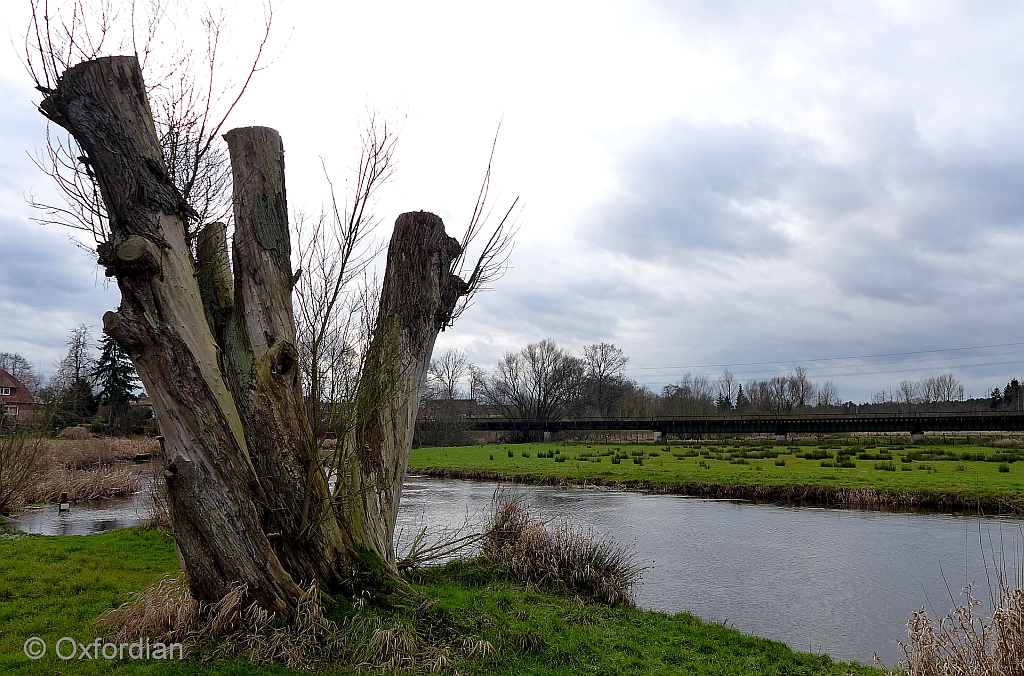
(19, 393)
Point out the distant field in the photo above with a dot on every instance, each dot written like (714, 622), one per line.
(992, 473)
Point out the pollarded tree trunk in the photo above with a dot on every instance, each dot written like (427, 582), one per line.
(213, 340)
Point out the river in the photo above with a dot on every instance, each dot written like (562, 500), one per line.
(842, 582)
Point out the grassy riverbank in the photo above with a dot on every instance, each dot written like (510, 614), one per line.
(847, 472)
(52, 587)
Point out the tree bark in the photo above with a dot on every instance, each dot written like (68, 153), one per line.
(213, 340)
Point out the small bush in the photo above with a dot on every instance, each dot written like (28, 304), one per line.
(526, 454)
(780, 462)
(638, 460)
(511, 454)
(492, 456)
(616, 460)
(560, 458)
(886, 466)
(1003, 467)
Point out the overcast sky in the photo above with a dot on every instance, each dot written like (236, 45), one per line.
(743, 184)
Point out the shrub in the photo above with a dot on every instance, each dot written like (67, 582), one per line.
(492, 456)
(21, 468)
(886, 466)
(616, 460)
(511, 454)
(780, 462)
(560, 458)
(77, 433)
(526, 454)
(566, 558)
(638, 460)
(1003, 467)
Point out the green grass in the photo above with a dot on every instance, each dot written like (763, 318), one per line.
(56, 586)
(932, 468)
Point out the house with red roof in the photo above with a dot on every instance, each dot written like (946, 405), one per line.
(16, 402)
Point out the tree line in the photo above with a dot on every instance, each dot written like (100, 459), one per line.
(83, 383)
(543, 381)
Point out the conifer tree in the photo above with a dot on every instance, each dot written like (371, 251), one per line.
(117, 380)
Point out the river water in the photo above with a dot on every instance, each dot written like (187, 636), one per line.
(842, 582)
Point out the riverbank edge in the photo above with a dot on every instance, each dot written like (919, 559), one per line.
(866, 498)
(57, 586)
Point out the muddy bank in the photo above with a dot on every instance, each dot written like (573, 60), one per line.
(793, 494)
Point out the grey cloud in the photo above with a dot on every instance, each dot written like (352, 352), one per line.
(702, 188)
(901, 222)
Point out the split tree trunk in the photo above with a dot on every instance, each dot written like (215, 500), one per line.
(213, 339)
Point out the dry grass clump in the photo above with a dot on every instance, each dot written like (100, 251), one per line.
(967, 642)
(596, 568)
(78, 432)
(167, 612)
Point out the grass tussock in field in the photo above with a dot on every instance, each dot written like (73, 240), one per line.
(598, 569)
(477, 621)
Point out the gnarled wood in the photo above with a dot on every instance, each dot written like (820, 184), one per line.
(161, 324)
(417, 298)
(214, 343)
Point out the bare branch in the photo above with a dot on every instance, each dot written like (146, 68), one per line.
(492, 262)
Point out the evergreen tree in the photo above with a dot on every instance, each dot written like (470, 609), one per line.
(741, 400)
(118, 382)
(995, 399)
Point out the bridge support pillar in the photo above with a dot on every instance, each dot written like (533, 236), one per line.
(662, 437)
(917, 436)
(780, 437)
(547, 436)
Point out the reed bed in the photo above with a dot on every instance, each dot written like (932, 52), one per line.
(82, 469)
(108, 481)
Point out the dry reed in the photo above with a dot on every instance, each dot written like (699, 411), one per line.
(968, 640)
(87, 469)
(568, 557)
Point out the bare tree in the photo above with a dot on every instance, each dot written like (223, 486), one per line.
(188, 111)
(693, 395)
(445, 375)
(541, 382)
(78, 363)
(603, 364)
(211, 331)
(827, 396)
(21, 369)
(727, 387)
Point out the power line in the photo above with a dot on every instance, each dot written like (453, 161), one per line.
(850, 374)
(802, 361)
